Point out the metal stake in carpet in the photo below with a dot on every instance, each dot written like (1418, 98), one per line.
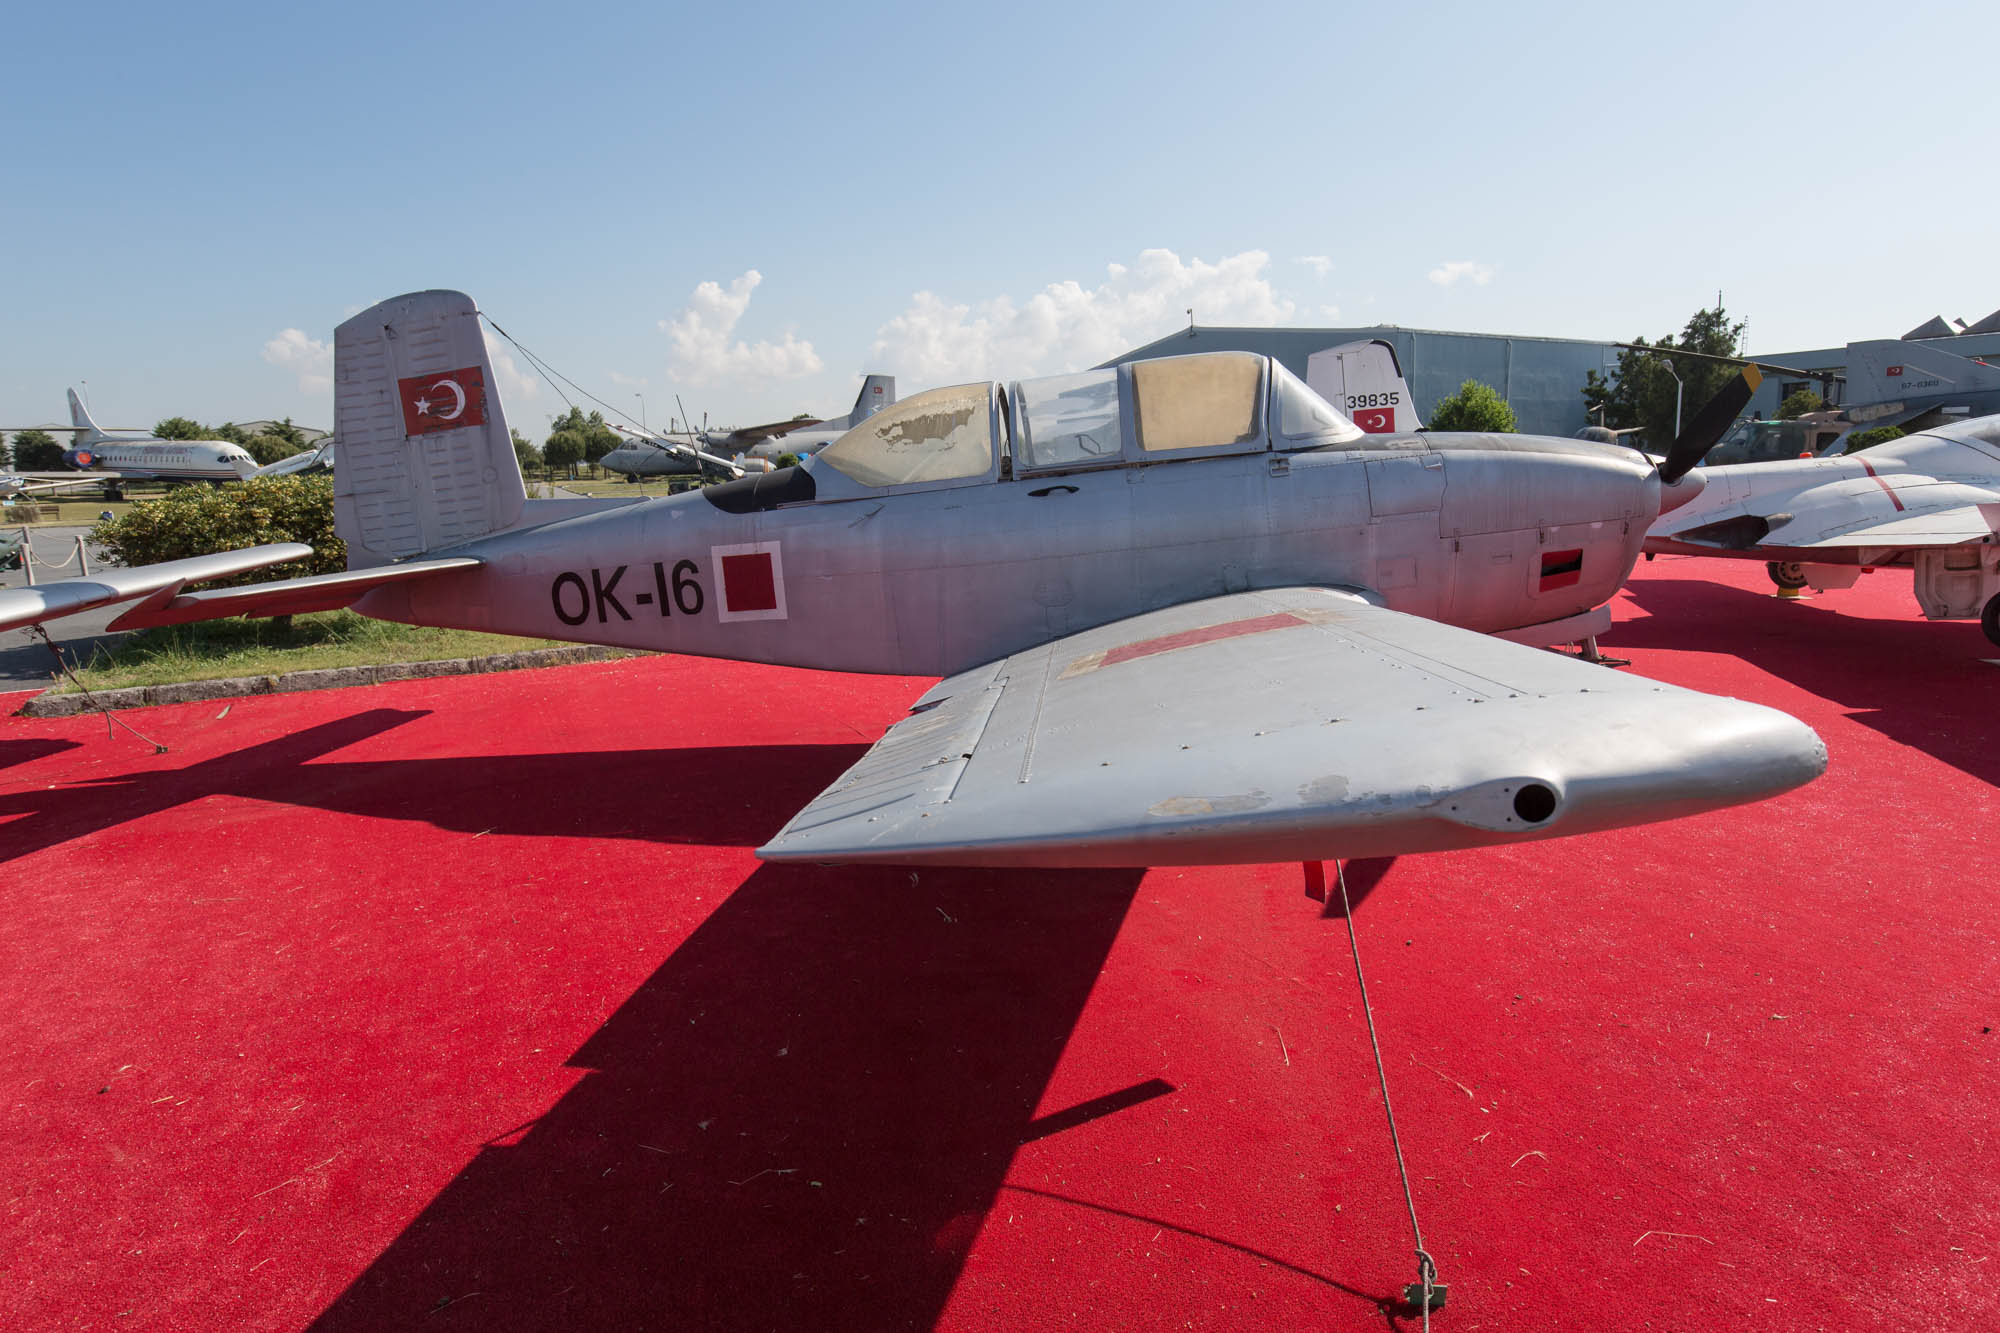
(109, 717)
(1426, 1293)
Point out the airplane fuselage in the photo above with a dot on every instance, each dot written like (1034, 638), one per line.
(165, 460)
(1484, 532)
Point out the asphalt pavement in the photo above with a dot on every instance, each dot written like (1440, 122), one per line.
(24, 659)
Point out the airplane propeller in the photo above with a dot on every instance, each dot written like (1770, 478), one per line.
(1709, 424)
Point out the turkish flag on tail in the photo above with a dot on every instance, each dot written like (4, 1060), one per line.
(1376, 420)
(443, 401)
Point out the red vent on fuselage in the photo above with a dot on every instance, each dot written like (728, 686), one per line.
(1561, 569)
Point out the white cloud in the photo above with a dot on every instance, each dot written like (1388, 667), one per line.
(308, 358)
(1066, 326)
(703, 353)
(515, 387)
(1329, 312)
(1448, 273)
(1319, 264)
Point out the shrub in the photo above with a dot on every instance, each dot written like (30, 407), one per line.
(201, 520)
(1475, 407)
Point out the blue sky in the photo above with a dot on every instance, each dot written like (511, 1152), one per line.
(194, 195)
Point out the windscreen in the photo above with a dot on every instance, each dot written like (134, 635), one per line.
(1068, 420)
(939, 435)
(1303, 414)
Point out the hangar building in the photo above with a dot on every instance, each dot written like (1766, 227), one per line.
(1542, 378)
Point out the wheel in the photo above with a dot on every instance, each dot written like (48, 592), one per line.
(1786, 573)
(1989, 619)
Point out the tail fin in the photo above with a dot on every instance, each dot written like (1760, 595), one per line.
(79, 416)
(877, 392)
(1891, 370)
(426, 461)
(1365, 381)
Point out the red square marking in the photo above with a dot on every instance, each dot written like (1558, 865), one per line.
(748, 583)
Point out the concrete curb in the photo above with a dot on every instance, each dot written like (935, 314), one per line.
(330, 678)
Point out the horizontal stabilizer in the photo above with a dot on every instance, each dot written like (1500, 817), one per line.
(293, 597)
(1282, 725)
(48, 601)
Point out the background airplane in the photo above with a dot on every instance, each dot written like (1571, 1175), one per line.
(134, 457)
(808, 437)
(1185, 611)
(644, 454)
(1929, 501)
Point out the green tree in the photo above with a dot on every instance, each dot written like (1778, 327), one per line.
(785, 460)
(231, 432)
(563, 450)
(525, 453)
(37, 451)
(1475, 407)
(1863, 439)
(286, 431)
(1798, 404)
(181, 428)
(200, 520)
(1643, 390)
(594, 437)
(268, 449)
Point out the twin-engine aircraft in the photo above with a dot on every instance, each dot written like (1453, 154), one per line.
(1929, 501)
(1185, 611)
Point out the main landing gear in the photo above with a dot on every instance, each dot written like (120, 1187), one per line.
(1789, 575)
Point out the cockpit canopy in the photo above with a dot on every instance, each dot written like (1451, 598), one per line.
(1198, 406)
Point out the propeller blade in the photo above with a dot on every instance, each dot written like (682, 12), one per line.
(1709, 425)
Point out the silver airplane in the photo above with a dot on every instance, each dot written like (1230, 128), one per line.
(805, 438)
(1184, 610)
(751, 448)
(644, 454)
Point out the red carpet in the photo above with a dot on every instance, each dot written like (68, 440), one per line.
(463, 1004)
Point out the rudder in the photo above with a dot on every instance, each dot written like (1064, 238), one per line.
(79, 416)
(426, 460)
(877, 392)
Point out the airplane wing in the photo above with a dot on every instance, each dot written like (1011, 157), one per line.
(291, 597)
(1953, 525)
(749, 435)
(33, 483)
(157, 589)
(1285, 724)
(1894, 510)
(47, 601)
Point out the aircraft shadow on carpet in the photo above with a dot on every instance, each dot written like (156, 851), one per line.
(717, 795)
(1920, 683)
(29, 749)
(801, 1119)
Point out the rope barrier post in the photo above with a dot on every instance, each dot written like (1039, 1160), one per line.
(82, 560)
(27, 556)
(1426, 1293)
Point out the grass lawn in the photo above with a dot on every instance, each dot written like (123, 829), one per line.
(620, 489)
(71, 511)
(219, 648)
